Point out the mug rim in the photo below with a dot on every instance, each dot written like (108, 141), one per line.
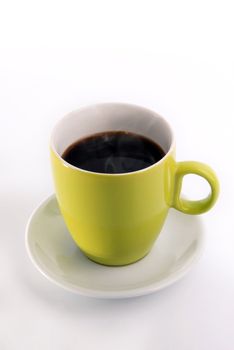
(120, 104)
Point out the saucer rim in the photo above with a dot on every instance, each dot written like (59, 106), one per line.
(99, 293)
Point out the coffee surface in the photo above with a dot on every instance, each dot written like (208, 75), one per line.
(113, 152)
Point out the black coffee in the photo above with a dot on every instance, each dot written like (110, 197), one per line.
(113, 152)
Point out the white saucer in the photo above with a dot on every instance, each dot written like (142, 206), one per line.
(56, 256)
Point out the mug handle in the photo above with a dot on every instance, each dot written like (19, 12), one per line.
(198, 206)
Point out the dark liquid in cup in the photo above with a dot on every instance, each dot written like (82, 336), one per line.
(113, 152)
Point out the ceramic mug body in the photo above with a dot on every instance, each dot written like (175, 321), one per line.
(116, 218)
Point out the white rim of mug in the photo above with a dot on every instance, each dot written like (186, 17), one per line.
(67, 116)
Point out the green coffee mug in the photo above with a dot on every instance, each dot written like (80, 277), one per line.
(116, 218)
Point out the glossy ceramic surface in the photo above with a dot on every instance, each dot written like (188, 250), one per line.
(57, 257)
(116, 218)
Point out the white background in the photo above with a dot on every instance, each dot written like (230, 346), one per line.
(176, 57)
